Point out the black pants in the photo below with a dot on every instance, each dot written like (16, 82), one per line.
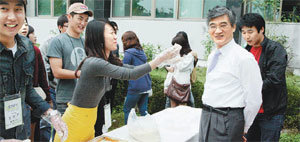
(107, 98)
(100, 118)
(221, 125)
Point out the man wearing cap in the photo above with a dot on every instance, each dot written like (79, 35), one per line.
(66, 52)
(16, 72)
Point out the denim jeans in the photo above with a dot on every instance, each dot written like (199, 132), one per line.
(27, 120)
(45, 130)
(132, 100)
(265, 129)
(190, 103)
(45, 127)
(53, 97)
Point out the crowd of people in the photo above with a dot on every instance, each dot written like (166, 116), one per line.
(244, 98)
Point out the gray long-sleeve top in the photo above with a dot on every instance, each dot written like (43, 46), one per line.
(95, 78)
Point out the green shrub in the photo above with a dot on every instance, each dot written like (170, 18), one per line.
(151, 50)
(157, 100)
(289, 137)
(120, 95)
(293, 108)
(117, 120)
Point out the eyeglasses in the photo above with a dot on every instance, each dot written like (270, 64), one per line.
(66, 26)
(214, 27)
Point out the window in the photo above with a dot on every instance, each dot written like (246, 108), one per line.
(190, 8)
(44, 7)
(290, 11)
(165, 8)
(59, 7)
(269, 10)
(90, 4)
(182, 9)
(141, 7)
(120, 8)
(209, 4)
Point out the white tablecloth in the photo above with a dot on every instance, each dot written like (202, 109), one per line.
(178, 124)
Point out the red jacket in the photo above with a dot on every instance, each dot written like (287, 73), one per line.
(39, 74)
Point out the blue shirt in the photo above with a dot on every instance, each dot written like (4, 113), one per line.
(137, 57)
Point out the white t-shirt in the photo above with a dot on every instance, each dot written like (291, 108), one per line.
(14, 49)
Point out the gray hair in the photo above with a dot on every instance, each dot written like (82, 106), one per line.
(220, 11)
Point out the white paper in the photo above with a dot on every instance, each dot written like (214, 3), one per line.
(107, 118)
(13, 113)
(172, 125)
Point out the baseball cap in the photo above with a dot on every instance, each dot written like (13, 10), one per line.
(79, 8)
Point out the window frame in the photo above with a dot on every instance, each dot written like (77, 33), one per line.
(51, 9)
(188, 18)
(176, 11)
(153, 13)
(248, 5)
(111, 10)
(176, 7)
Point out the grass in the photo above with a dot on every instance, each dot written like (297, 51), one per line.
(117, 120)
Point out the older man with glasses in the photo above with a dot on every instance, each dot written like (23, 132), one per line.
(232, 91)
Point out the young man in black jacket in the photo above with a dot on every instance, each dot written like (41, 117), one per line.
(272, 60)
(16, 72)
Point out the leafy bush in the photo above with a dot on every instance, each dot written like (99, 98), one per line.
(209, 44)
(289, 137)
(117, 120)
(157, 100)
(292, 119)
(291, 16)
(151, 50)
(120, 95)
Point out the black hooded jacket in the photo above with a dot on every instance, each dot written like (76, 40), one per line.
(272, 64)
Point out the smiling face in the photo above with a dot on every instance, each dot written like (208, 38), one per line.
(24, 30)
(110, 39)
(32, 37)
(220, 30)
(12, 16)
(252, 36)
(77, 23)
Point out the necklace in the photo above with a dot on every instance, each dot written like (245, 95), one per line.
(76, 60)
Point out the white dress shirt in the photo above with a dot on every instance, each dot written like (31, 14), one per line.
(234, 82)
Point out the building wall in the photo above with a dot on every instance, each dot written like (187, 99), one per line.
(161, 32)
(291, 30)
